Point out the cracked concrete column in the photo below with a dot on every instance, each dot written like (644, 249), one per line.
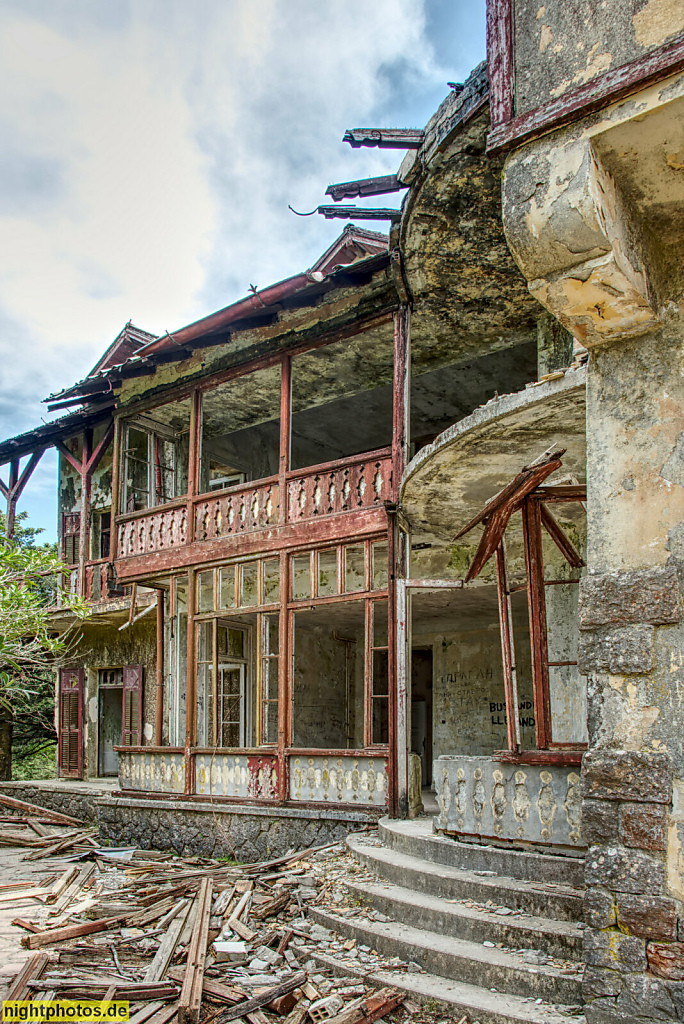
(579, 239)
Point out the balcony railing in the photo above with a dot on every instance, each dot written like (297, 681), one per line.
(362, 482)
(335, 778)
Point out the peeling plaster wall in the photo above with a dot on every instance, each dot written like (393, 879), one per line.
(103, 646)
(468, 708)
(561, 44)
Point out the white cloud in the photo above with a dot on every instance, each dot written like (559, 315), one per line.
(150, 149)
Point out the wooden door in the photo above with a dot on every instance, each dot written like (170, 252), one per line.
(70, 739)
(132, 706)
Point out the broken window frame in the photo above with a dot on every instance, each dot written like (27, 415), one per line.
(212, 659)
(536, 517)
(368, 596)
(155, 470)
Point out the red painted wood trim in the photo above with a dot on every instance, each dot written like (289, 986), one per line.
(560, 758)
(653, 67)
(308, 533)
(500, 62)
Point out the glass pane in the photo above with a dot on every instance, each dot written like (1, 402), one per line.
(205, 590)
(379, 623)
(328, 679)
(205, 708)
(270, 721)
(342, 398)
(269, 680)
(271, 581)
(327, 573)
(249, 591)
(380, 674)
(230, 696)
(271, 633)
(379, 566)
(380, 726)
(179, 665)
(567, 688)
(227, 596)
(301, 577)
(137, 470)
(354, 569)
(241, 430)
(230, 643)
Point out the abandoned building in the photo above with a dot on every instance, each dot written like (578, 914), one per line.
(412, 522)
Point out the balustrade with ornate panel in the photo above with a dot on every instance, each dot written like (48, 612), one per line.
(361, 482)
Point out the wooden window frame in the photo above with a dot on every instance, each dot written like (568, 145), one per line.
(367, 596)
(509, 130)
(536, 517)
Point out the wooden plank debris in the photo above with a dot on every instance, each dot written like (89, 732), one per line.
(267, 996)
(167, 947)
(72, 931)
(42, 812)
(191, 993)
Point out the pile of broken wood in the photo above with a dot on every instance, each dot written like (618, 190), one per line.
(179, 938)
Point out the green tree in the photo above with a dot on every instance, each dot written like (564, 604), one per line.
(30, 581)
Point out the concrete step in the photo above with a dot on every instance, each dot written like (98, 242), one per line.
(478, 1004)
(549, 900)
(459, 959)
(431, 913)
(417, 839)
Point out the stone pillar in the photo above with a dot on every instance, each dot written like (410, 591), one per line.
(580, 250)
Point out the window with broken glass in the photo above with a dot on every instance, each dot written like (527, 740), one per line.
(548, 525)
(155, 456)
(339, 628)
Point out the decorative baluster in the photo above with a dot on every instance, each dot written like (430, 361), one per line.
(378, 482)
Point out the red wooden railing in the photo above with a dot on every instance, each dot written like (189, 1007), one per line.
(364, 481)
(361, 482)
(239, 511)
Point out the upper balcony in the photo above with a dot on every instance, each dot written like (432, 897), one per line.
(241, 462)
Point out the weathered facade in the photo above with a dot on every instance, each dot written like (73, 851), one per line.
(416, 515)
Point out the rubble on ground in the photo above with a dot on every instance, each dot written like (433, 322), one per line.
(197, 940)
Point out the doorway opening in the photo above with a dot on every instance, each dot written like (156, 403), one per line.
(421, 710)
(110, 720)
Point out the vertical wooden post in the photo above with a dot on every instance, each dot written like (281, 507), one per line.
(368, 674)
(84, 535)
(116, 487)
(500, 60)
(399, 646)
(190, 687)
(507, 648)
(401, 426)
(284, 682)
(534, 564)
(194, 458)
(159, 704)
(12, 499)
(285, 427)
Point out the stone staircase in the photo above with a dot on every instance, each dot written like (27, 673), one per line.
(496, 947)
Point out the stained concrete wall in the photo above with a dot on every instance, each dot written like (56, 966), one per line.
(561, 44)
(469, 710)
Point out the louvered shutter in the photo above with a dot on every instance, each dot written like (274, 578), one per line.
(132, 706)
(70, 745)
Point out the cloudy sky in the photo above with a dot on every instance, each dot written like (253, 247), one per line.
(149, 150)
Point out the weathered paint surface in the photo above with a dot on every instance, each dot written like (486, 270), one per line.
(153, 772)
(347, 780)
(237, 775)
(478, 796)
(560, 46)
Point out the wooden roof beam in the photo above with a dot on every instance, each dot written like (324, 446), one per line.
(365, 187)
(385, 138)
(357, 213)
